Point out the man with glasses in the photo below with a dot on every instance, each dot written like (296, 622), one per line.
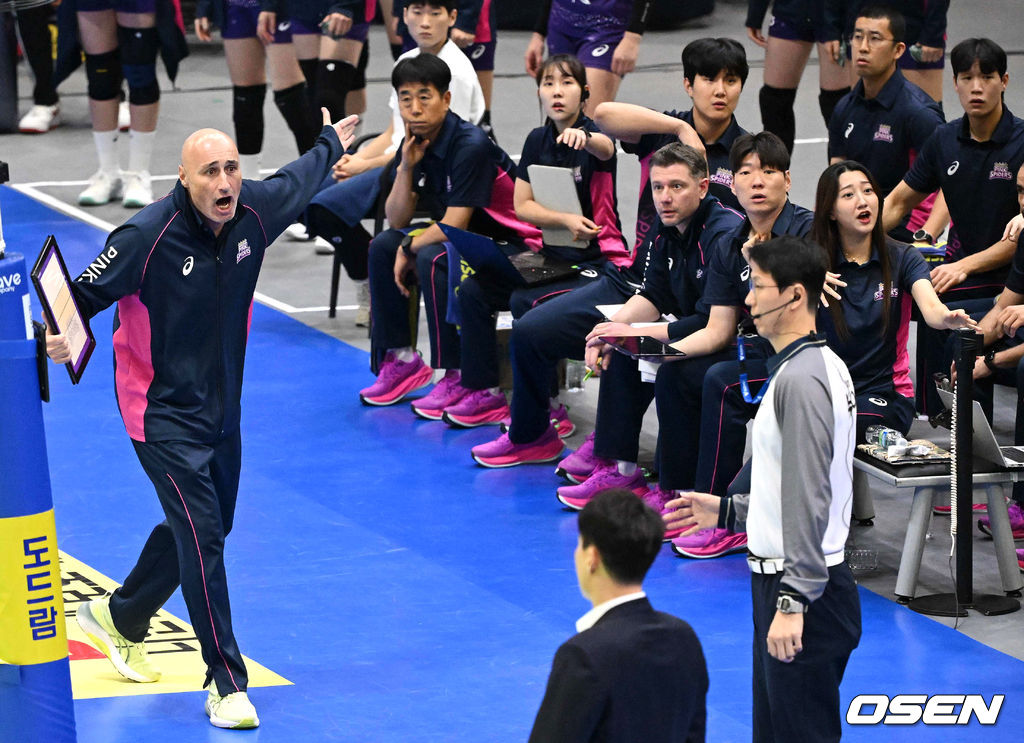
(885, 120)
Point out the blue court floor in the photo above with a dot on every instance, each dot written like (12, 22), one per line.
(408, 594)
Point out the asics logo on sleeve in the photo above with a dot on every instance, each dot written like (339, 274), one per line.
(849, 128)
(953, 168)
(187, 268)
(745, 274)
(599, 51)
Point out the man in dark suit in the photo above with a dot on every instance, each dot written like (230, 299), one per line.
(632, 673)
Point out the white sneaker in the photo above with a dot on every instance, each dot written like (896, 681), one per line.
(298, 232)
(40, 119)
(322, 247)
(103, 187)
(138, 192)
(233, 711)
(124, 117)
(363, 300)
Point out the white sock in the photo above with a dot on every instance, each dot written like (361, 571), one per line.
(554, 404)
(250, 166)
(405, 355)
(106, 150)
(626, 469)
(140, 150)
(495, 391)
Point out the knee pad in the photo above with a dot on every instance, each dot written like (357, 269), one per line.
(777, 113)
(828, 100)
(103, 71)
(247, 114)
(138, 57)
(333, 81)
(359, 79)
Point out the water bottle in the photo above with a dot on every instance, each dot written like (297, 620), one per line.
(884, 436)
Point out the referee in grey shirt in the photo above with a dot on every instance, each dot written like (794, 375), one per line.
(797, 514)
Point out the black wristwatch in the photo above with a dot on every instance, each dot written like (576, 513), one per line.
(789, 605)
(407, 246)
(990, 360)
(921, 236)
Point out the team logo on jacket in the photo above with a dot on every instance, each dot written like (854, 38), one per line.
(884, 133)
(894, 292)
(243, 250)
(186, 269)
(722, 176)
(1001, 171)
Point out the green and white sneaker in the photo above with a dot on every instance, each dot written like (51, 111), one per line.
(233, 711)
(129, 658)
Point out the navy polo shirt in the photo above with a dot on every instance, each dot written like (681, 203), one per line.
(463, 167)
(876, 360)
(595, 188)
(719, 172)
(729, 272)
(978, 180)
(886, 132)
(677, 265)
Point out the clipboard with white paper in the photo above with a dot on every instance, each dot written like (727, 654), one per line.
(53, 285)
(555, 189)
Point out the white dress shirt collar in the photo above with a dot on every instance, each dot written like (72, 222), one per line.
(589, 619)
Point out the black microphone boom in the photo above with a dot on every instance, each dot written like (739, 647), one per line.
(775, 309)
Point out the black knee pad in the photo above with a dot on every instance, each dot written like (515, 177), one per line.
(333, 81)
(247, 113)
(103, 71)
(359, 80)
(828, 100)
(293, 104)
(138, 57)
(777, 113)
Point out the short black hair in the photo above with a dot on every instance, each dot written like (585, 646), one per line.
(877, 11)
(792, 260)
(988, 54)
(677, 153)
(708, 56)
(626, 531)
(448, 5)
(767, 146)
(426, 69)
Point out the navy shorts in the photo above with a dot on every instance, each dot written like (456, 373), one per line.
(121, 6)
(794, 30)
(481, 55)
(241, 18)
(591, 38)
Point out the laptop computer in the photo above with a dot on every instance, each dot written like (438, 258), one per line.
(524, 269)
(642, 347)
(985, 445)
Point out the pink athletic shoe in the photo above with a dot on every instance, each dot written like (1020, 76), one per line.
(1020, 560)
(579, 465)
(656, 498)
(446, 392)
(396, 380)
(945, 510)
(503, 453)
(1016, 522)
(709, 543)
(603, 478)
(478, 408)
(560, 420)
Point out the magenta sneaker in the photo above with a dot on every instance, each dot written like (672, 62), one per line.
(1020, 560)
(478, 408)
(1016, 522)
(656, 498)
(579, 465)
(603, 478)
(446, 392)
(709, 543)
(560, 420)
(945, 510)
(503, 453)
(396, 380)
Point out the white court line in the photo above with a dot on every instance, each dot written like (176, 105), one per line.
(812, 140)
(31, 190)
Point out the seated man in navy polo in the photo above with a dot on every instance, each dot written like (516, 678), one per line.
(885, 120)
(450, 168)
(973, 161)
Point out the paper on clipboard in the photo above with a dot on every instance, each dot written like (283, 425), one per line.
(53, 284)
(555, 188)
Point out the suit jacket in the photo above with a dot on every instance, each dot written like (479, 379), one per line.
(638, 675)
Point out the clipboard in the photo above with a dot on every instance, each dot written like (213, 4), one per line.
(643, 347)
(555, 188)
(53, 285)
